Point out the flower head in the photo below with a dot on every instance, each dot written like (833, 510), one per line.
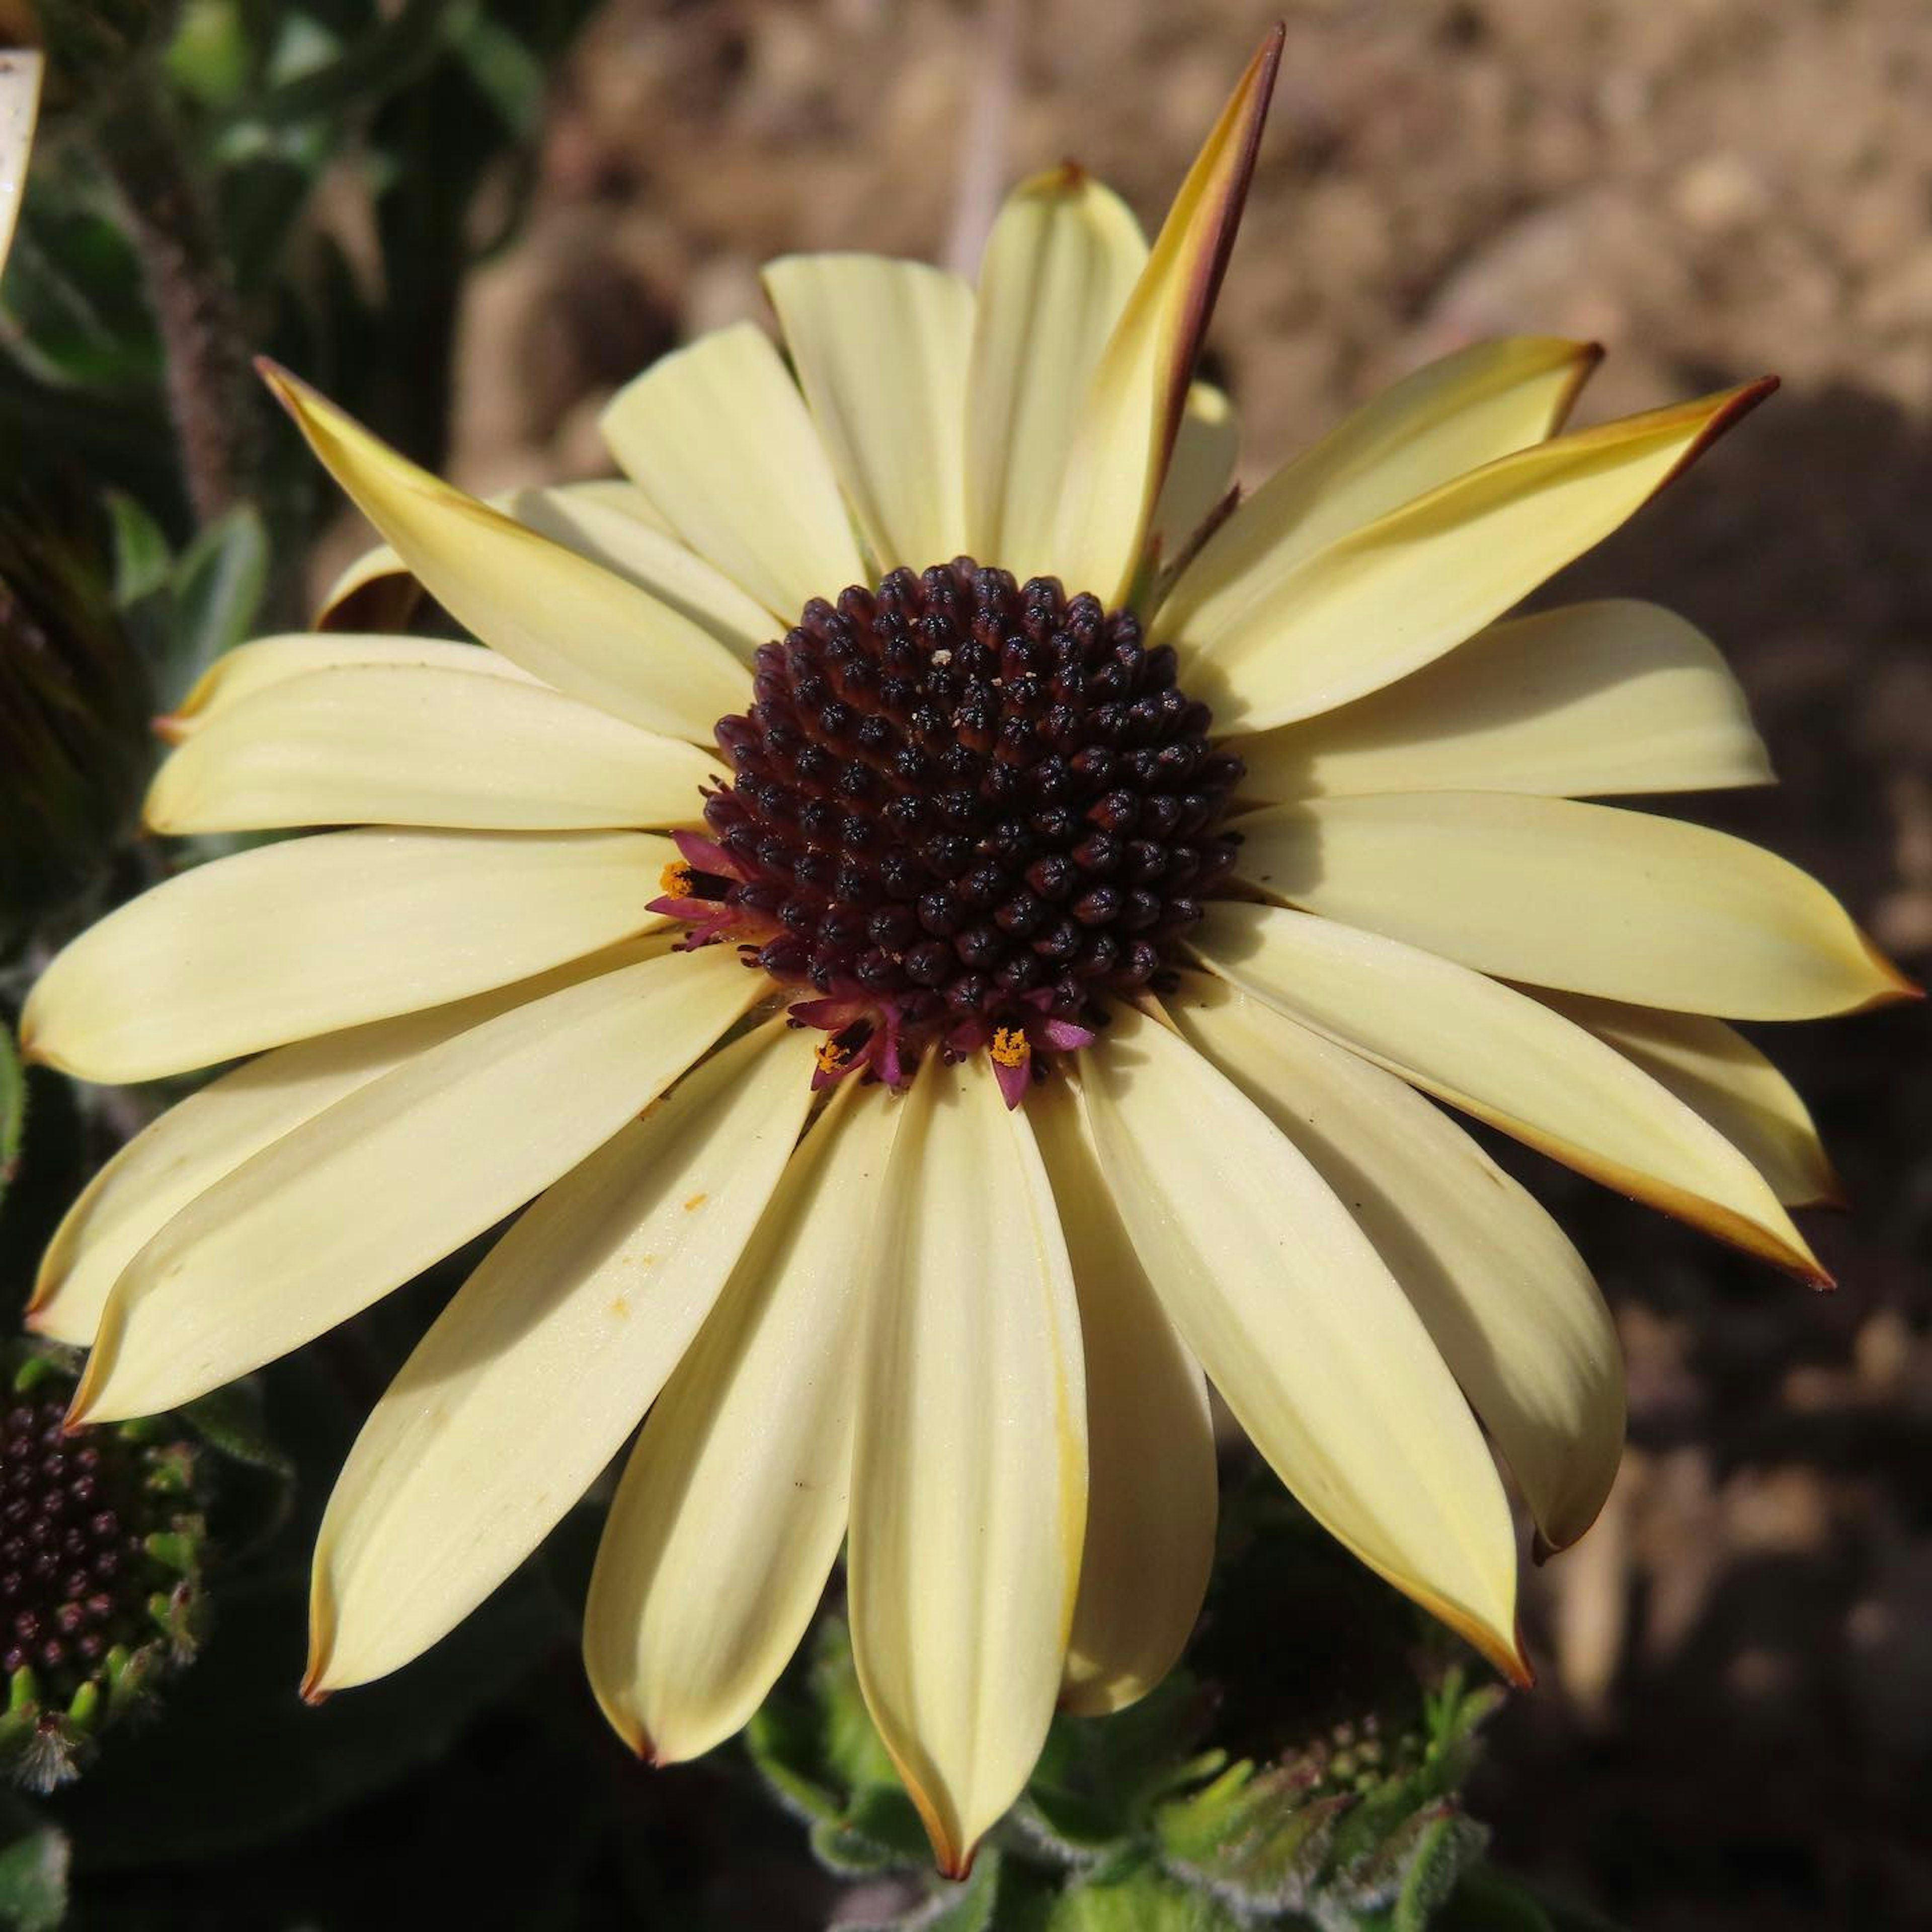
(100, 1552)
(1077, 895)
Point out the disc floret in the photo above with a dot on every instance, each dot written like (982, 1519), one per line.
(101, 1548)
(964, 812)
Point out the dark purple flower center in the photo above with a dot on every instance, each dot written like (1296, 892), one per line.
(964, 811)
(73, 1572)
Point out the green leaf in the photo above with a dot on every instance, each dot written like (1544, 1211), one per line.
(505, 71)
(375, 65)
(1261, 1839)
(218, 586)
(143, 560)
(1445, 1849)
(33, 1880)
(13, 1110)
(74, 294)
(1099, 1778)
(878, 1831)
(974, 1905)
(970, 1906)
(1145, 1901)
(231, 1418)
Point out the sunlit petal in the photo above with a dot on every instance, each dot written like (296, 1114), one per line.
(1151, 1486)
(531, 1377)
(882, 348)
(1320, 1356)
(207, 1136)
(396, 1175)
(1201, 472)
(385, 744)
(1451, 416)
(1507, 1059)
(252, 668)
(1131, 413)
(733, 1503)
(567, 620)
(301, 937)
(969, 1484)
(1716, 1072)
(720, 438)
(1585, 701)
(1591, 898)
(1506, 1298)
(1062, 258)
(1384, 600)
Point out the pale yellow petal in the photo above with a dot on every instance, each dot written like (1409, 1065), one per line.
(718, 436)
(1385, 599)
(1585, 701)
(1506, 1298)
(396, 1174)
(530, 1380)
(252, 668)
(196, 1143)
(733, 1504)
(1059, 265)
(1449, 417)
(587, 520)
(20, 69)
(554, 510)
(393, 745)
(1151, 1484)
(304, 937)
(1132, 412)
(881, 347)
(969, 1482)
(1716, 1072)
(568, 621)
(1507, 1059)
(1200, 473)
(1320, 1356)
(1592, 899)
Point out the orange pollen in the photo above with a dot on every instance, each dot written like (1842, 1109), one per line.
(1008, 1047)
(831, 1057)
(674, 881)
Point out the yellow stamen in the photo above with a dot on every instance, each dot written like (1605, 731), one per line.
(831, 1057)
(1008, 1047)
(674, 881)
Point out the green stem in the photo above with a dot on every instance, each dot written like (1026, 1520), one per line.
(211, 395)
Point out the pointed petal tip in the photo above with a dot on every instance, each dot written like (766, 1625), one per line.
(1502, 1649)
(956, 1866)
(1555, 1538)
(1727, 409)
(1585, 358)
(1898, 988)
(283, 384)
(1831, 1197)
(1517, 1666)
(80, 1411)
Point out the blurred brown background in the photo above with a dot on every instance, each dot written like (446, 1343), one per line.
(1735, 1725)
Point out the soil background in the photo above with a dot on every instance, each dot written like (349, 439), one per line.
(1734, 1727)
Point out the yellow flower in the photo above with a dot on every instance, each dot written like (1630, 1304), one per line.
(971, 846)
